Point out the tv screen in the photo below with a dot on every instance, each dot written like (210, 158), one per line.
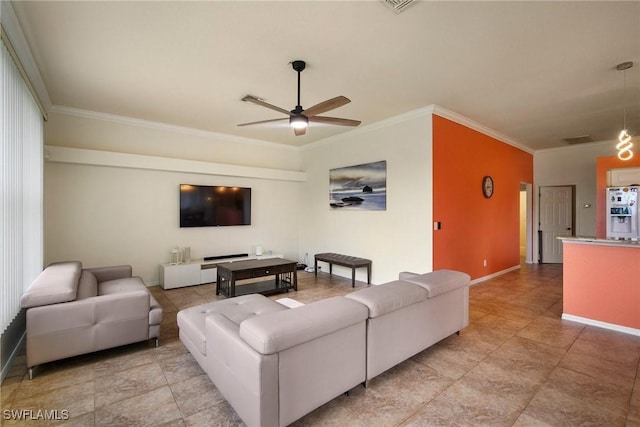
(213, 206)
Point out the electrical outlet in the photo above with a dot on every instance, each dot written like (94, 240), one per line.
(484, 263)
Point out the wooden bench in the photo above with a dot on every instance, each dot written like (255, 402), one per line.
(345, 261)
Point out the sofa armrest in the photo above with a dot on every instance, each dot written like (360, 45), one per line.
(113, 272)
(246, 378)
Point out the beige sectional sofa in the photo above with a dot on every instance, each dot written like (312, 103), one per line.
(409, 315)
(73, 311)
(275, 364)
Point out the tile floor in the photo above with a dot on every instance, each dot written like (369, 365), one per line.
(516, 364)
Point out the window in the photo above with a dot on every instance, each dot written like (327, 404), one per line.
(21, 186)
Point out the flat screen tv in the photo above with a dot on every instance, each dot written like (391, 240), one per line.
(214, 206)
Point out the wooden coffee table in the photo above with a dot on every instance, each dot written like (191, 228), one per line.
(283, 270)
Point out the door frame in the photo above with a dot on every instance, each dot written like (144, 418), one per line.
(539, 216)
(528, 189)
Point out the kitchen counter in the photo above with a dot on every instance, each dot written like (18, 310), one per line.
(601, 283)
(598, 241)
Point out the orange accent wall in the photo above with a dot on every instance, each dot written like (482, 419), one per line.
(601, 283)
(603, 164)
(475, 228)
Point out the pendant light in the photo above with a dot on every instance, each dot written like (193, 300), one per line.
(624, 144)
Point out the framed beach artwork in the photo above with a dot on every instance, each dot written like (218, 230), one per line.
(360, 187)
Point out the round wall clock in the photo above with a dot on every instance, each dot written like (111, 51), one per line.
(487, 186)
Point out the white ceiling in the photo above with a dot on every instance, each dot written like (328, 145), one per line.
(536, 72)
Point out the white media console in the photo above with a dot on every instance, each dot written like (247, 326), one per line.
(198, 271)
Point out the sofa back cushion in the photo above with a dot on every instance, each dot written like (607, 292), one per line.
(57, 283)
(438, 282)
(117, 286)
(389, 297)
(88, 285)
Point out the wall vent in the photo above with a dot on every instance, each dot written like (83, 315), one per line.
(579, 140)
(397, 5)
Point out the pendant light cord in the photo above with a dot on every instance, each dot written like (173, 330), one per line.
(624, 100)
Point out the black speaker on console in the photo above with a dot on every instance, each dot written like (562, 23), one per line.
(212, 258)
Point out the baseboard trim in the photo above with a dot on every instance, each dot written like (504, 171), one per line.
(600, 324)
(492, 275)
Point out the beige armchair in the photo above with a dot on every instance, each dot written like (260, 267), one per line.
(73, 311)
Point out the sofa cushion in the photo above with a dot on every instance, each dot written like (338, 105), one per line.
(88, 285)
(55, 284)
(121, 285)
(191, 320)
(274, 332)
(392, 296)
(438, 282)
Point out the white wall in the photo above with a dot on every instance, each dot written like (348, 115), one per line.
(572, 165)
(398, 239)
(102, 210)
(107, 214)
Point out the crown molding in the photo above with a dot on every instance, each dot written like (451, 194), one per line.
(420, 112)
(130, 121)
(609, 143)
(424, 112)
(12, 31)
(465, 121)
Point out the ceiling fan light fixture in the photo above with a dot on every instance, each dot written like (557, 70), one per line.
(299, 118)
(298, 122)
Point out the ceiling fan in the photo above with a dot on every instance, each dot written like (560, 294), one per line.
(299, 118)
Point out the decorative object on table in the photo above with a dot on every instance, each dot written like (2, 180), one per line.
(186, 254)
(359, 187)
(175, 256)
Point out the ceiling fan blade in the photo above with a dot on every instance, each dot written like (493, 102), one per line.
(334, 121)
(258, 101)
(263, 121)
(299, 131)
(327, 105)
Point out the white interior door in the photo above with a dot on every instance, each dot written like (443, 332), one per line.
(556, 219)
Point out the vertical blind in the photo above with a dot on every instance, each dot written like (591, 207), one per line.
(21, 184)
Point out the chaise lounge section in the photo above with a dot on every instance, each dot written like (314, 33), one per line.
(275, 364)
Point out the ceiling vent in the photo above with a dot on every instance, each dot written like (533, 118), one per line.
(398, 5)
(579, 140)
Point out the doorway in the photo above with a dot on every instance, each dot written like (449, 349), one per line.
(526, 228)
(556, 220)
